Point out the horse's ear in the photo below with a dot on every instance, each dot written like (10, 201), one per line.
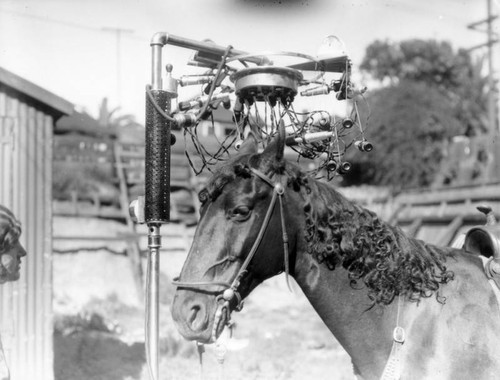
(276, 147)
(249, 145)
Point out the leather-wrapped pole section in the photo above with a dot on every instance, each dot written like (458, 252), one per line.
(157, 159)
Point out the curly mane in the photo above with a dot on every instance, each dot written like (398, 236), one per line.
(342, 233)
(387, 261)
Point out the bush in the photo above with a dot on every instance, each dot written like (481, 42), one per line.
(87, 182)
(408, 125)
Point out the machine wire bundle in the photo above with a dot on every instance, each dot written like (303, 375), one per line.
(261, 97)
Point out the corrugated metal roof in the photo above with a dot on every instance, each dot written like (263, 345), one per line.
(35, 92)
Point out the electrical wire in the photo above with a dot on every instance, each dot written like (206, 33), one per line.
(214, 82)
(265, 124)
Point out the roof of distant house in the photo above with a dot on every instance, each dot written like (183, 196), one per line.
(37, 94)
(83, 123)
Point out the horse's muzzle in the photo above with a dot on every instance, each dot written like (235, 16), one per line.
(194, 315)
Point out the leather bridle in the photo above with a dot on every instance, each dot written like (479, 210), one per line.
(230, 291)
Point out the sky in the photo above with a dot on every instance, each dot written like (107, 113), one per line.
(71, 47)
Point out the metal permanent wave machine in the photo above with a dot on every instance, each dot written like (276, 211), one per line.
(260, 96)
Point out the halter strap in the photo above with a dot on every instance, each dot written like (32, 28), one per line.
(201, 284)
(263, 177)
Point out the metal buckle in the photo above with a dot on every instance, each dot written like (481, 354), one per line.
(279, 189)
(399, 334)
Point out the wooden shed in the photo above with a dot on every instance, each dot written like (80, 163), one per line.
(27, 117)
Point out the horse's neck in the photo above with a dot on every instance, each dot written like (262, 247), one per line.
(365, 334)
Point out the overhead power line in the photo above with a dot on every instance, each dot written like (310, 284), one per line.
(69, 24)
(119, 32)
(50, 20)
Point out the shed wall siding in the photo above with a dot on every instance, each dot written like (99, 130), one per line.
(26, 135)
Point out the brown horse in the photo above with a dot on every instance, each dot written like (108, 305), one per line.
(262, 216)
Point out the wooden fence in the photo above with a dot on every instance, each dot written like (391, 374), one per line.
(436, 215)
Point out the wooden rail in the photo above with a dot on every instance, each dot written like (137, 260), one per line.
(433, 215)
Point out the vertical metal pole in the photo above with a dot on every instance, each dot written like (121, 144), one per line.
(118, 33)
(157, 206)
(152, 325)
(491, 79)
(156, 68)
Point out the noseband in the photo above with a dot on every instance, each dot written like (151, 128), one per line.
(230, 291)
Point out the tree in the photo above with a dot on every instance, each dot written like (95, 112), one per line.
(429, 93)
(108, 117)
(455, 74)
(408, 123)
(471, 99)
(429, 61)
(92, 140)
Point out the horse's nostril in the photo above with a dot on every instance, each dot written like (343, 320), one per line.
(196, 318)
(193, 314)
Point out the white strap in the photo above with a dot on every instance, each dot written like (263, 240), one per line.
(492, 283)
(392, 369)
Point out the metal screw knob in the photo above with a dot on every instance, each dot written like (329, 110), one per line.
(136, 210)
(490, 216)
(495, 267)
(228, 294)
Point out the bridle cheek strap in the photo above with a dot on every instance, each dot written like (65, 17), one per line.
(279, 190)
(276, 193)
(286, 259)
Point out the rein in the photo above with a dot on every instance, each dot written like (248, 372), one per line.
(231, 289)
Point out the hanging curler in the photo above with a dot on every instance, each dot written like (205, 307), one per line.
(190, 80)
(344, 167)
(364, 145)
(227, 104)
(347, 123)
(320, 90)
(183, 120)
(331, 165)
(237, 110)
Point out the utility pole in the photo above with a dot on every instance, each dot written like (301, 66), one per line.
(491, 40)
(118, 33)
(492, 169)
(491, 77)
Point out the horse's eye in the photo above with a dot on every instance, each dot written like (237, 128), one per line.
(240, 213)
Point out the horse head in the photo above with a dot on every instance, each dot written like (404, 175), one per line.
(240, 241)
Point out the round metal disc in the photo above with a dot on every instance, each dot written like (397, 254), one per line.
(266, 83)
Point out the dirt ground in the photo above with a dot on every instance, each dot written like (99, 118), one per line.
(99, 327)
